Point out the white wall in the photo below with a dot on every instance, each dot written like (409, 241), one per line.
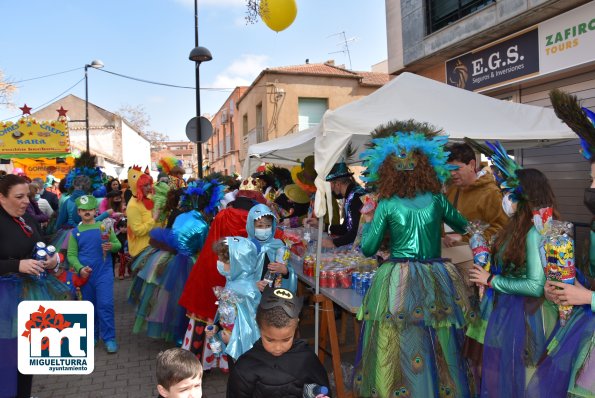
(135, 149)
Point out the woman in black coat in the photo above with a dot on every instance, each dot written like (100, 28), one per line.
(19, 273)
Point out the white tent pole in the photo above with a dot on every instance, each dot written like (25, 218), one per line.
(317, 263)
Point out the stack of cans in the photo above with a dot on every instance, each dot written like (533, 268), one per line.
(41, 252)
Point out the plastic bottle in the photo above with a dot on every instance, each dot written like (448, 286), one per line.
(215, 343)
(314, 391)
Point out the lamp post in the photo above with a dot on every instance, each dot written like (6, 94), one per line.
(97, 65)
(198, 55)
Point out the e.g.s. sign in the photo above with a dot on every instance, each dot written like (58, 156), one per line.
(510, 59)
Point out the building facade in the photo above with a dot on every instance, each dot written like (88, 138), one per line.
(515, 50)
(115, 143)
(221, 151)
(182, 150)
(288, 99)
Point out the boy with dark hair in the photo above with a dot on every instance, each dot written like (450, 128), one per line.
(277, 365)
(179, 374)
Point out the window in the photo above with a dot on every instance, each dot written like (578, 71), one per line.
(245, 125)
(440, 13)
(311, 111)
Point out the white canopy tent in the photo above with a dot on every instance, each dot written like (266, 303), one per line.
(460, 113)
(286, 150)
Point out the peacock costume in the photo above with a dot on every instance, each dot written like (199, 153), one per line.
(157, 287)
(569, 367)
(414, 312)
(514, 322)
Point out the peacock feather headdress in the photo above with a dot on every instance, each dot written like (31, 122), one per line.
(580, 120)
(86, 165)
(507, 168)
(401, 147)
(203, 195)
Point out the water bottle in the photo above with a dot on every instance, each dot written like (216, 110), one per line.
(270, 277)
(214, 342)
(314, 391)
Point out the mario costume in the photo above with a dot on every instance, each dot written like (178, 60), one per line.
(84, 250)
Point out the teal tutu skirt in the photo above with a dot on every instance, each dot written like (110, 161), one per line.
(412, 333)
(15, 288)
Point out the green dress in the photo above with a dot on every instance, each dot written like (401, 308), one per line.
(414, 313)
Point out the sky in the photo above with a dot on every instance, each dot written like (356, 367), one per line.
(151, 39)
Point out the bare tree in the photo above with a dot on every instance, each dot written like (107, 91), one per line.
(138, 118)
(7, 89)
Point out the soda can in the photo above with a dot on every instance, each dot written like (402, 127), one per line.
(354, 276)
(365, 285)
(50, 250)
(39, 246)
(323, 279)
(332, 280)
(358, 284)
(344, 280)
(41, 255)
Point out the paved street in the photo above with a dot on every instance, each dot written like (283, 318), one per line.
(129, 373)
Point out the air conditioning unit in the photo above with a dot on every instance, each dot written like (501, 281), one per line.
(224, 116)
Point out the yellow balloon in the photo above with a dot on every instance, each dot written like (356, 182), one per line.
(278, 14)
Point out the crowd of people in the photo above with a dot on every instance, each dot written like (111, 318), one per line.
(208, 261)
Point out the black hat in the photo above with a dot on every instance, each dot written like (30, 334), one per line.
(339, 170)
(278, 297)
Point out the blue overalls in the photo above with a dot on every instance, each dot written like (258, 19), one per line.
(100, 287)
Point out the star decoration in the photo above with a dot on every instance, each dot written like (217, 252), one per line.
(26, 110)
(62, 111)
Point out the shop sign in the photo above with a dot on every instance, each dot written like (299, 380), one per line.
(513, 58)
(28, 136)
(567, 40)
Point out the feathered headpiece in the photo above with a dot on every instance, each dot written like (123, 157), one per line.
(86, 165)
(203, 195)
(580, 120)
(507, 168)
(401, 146)
(167, 164)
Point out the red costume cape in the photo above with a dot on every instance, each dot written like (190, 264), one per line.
(198, 297)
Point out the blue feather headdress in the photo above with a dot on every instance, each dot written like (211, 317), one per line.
(401, 146)
(506, 177)
(197, 192)
(94, 173)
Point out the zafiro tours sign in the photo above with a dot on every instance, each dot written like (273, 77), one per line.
(28, 136)
(559, 43)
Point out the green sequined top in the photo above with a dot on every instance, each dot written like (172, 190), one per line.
(532, 280)
(415, 226)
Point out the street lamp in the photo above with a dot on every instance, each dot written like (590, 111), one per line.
(198, 55)
(97, 65)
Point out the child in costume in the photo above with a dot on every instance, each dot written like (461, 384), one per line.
(138, 211)
(569, 367)
(198, 297)
(514, 322)
(277, 365)
(414, 312)
(159, 284)
(238, 300)
(261, 226)
(73, 280)
(90, 255)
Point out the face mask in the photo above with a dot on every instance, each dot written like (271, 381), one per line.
(37, 197)
(589, 199)
(508, 205)
(221, 268)
(263, 234)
